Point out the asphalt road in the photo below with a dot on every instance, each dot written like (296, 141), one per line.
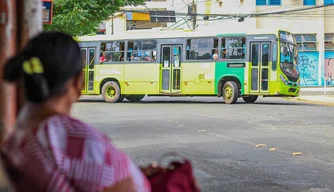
(221, 139)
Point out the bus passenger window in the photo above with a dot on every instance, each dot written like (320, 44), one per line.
(233, 48)
(201, 48)
(91, 58)
(84, 57)
(274, 55)
(142, 51)
(265, 54)
(255, 54)
(114, 51)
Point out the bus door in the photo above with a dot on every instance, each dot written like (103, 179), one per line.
(88, 55)
(170, 69)
(259, 67)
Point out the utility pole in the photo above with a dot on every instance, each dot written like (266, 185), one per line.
(112, 24)
(20, 20)
(8, 47)
(194, 14)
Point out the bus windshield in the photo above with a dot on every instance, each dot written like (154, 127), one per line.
(288, 63)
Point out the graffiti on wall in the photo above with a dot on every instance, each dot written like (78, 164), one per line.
(329, 68)
(308, 68)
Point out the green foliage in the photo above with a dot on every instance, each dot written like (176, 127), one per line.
(82, 17)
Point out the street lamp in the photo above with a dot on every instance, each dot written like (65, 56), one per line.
(325, 85)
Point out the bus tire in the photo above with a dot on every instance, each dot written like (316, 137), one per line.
(230, 92)
(250, 99)
(134, 98)
(111, 92)
(121, 98)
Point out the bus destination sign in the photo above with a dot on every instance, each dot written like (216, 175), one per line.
(286, 37)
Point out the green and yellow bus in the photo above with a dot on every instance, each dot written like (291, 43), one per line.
(172, 63)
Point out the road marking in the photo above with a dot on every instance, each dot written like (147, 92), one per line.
(253, 144)
(260, 145)
(225, 137)
(297, 153)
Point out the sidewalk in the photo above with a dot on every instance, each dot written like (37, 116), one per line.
(316, 91)
(317, 95)
(318, 99)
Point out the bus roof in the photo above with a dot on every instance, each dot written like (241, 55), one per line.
(144, 34)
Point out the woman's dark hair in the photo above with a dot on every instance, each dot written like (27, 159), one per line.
(61, 60)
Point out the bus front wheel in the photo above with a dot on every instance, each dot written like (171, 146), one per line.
(111, 92)
(230, 92)
(250, 99)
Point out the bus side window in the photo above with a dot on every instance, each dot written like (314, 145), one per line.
(142, 50)
(114, 51)
(233, 48)
(274, 59)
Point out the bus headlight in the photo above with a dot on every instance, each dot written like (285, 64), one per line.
(283, 79)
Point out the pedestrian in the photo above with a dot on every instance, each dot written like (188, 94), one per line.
(49, 150)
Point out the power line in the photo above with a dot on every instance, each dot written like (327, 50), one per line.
(244, 15)
(296, 12)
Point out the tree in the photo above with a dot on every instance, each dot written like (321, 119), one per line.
(81, 17)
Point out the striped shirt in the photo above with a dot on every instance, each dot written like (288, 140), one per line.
(65, 154)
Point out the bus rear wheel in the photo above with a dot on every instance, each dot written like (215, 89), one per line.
(230, 92)
(111, 92)
(250, 99)
(121, 98)
(134, 98)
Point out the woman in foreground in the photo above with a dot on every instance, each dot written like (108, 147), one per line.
(50, 150)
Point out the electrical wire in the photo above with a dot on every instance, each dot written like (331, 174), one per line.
(312, 11)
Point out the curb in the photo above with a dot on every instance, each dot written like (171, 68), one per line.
(315, 102)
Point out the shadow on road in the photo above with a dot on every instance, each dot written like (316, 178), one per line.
(146, 102)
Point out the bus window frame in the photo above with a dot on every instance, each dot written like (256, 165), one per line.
(274, 63)
(270, 58)
(200, 60)
(112, 62)
(126, 59)
(244, 48)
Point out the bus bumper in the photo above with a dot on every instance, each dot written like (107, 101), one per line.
(287, 90)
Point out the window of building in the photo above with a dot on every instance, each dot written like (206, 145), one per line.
(114, 51)
(306, 42)
(268, 2)
(328, 2)
(142, 51)
(202, 49)
(233, 48)
(309, 2)
(329, 42)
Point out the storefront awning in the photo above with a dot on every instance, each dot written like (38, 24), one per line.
(135, 16)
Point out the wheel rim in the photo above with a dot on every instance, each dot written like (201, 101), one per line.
(111, 92)
(228, 93)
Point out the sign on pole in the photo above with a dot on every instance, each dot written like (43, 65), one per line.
(47, 12)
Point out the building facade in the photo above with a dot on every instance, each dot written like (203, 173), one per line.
(312, 24)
